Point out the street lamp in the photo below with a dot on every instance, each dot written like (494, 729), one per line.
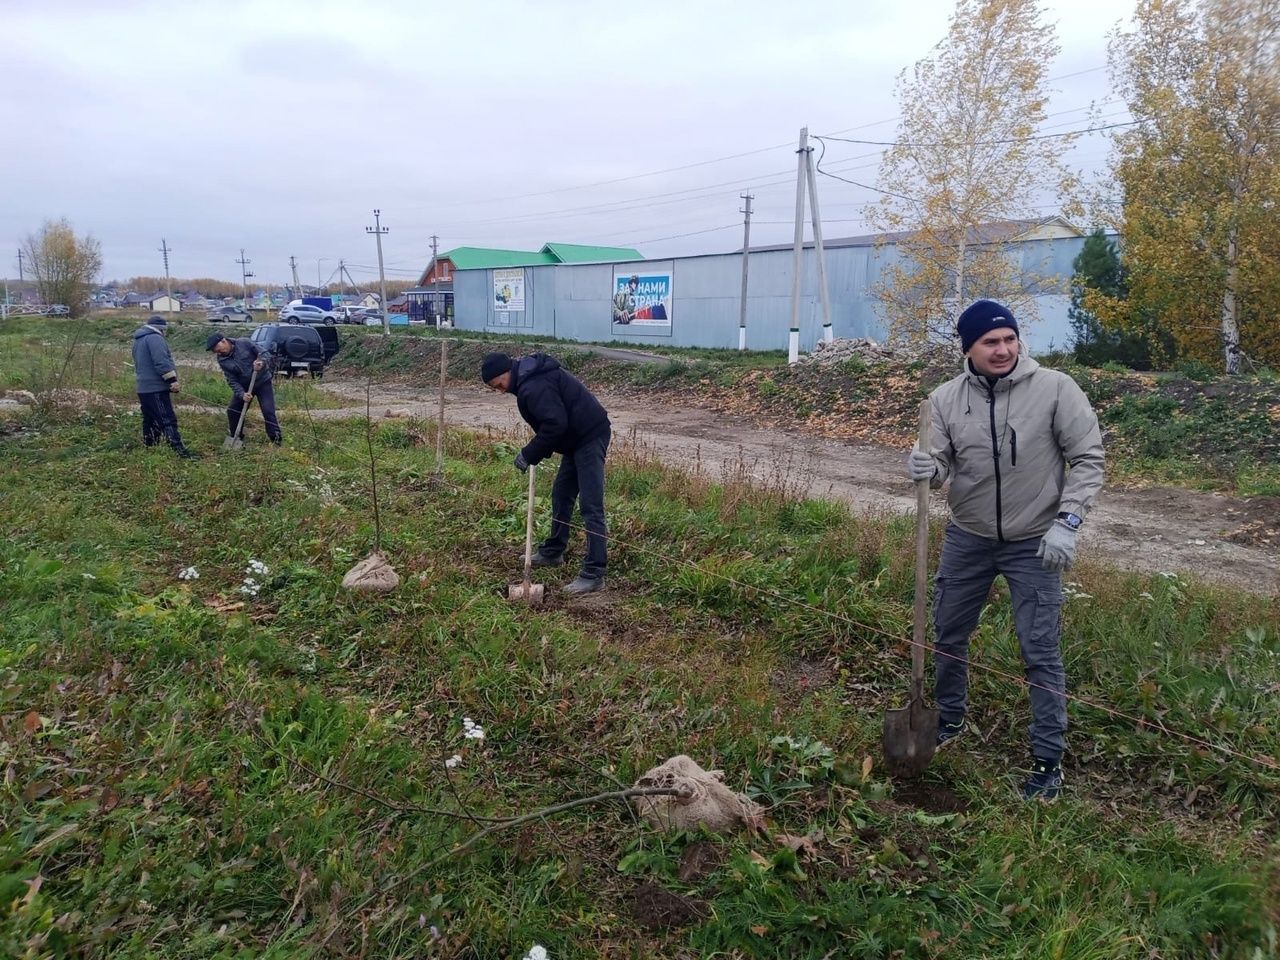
(319, 261)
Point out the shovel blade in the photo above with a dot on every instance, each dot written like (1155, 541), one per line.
(526, 592)
(909, 738)
(232, 443)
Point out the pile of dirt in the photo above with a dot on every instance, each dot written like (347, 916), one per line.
(656, 908)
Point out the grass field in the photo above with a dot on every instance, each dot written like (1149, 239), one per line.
(192, 769)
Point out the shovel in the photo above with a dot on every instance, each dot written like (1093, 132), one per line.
(911, 733)
(235, 440)
(527, 591)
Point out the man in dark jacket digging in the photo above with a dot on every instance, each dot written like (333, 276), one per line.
(1019, 445)
(157, 378)
(567, 419)
(239, 357)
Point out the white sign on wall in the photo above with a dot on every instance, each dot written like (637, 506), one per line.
(508, 290)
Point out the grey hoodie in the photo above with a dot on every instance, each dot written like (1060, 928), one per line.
(153, 365)
(1006, 449)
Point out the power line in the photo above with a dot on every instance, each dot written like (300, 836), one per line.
(984, 143)
(702, 163)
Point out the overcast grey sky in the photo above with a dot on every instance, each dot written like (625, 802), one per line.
(279, 126)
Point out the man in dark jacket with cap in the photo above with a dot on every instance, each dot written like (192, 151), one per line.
(157, 378)
(239, 357)
(1020, 446)
(567, 419)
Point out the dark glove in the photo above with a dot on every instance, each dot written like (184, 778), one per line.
(521, 463)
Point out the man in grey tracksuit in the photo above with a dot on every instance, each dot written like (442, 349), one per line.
(1021, 448)
(239, 358)
(156, 376)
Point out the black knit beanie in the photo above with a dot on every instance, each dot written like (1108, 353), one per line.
(494, 365)
(980, 318)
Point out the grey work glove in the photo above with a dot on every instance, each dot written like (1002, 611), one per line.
(921, 466)
(521, 463)
(1058, 548)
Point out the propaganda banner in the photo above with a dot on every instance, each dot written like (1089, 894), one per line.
(642, 297)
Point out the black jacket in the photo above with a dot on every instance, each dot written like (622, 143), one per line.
(563, 413)
(237, 366)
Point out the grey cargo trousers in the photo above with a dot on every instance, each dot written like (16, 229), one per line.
(968, 568)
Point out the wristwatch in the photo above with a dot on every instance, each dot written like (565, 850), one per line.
(1070, 519)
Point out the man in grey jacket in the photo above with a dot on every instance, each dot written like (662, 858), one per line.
(157, 377)
(239, 357)
(1021, 448)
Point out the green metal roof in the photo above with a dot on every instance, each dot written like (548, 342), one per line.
(482, 258)
(582, 253)
(486, 258)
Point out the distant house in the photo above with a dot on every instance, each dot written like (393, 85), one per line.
(163, 303)
(134, 300)
(370, 301)
(399, 305)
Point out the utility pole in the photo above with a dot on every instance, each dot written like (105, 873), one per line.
(435, 278)
(378, 230)
(827, 333)
(244, 277)
(746, 245)
(793, 340)
(168, 286)
(293, 266)
(342, 287)
(20, 277)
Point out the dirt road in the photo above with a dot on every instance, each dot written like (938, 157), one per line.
(1149, 530)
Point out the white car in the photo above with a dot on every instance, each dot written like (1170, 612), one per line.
(306, 313)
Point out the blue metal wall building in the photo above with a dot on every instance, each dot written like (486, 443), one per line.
(574, 301)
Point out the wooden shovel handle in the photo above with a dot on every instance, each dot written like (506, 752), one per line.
(919, 617)
(253, 378)
(528, 535)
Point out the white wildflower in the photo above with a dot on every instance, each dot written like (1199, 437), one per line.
(250, 587)
(257, 567)
(453, 761)
(536, 952)
(189, 573)
(472, 730)
(1144, 595)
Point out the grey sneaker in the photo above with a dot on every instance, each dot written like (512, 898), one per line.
(584, 585)
(540, 559)
(948, 732)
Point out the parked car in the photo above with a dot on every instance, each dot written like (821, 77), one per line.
(351, 313)
(370, 317)
(231, 314)
(296, 349)
(306, 313)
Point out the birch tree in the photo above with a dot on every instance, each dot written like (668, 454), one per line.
(1200, 176)
(63, 265)
(969, 170)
